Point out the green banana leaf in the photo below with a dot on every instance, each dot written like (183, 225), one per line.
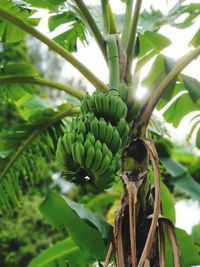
(58, 254)
(188, 250)
(88, 232)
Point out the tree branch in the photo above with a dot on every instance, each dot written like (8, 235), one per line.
(132, 38)
(92, 25)
(143, 119)
(37, 80)
(55, 47)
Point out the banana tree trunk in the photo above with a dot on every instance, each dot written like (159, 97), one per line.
(131, 223)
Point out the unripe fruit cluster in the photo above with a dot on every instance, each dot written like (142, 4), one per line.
(90, 154)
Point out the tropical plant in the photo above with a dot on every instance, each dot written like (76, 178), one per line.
(107, 149)
(18, 247)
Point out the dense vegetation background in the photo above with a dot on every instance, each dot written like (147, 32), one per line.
(29, 135)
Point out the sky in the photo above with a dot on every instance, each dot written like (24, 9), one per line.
(188, 211)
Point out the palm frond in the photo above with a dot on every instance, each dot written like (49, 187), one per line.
(23, 152)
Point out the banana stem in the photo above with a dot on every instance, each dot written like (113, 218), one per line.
(127, 23)
(55, 47)
(106, 19)
(148, 107)
(113, 26)
(113, 63)
(132, 39)
(92, 25)
(36, 80)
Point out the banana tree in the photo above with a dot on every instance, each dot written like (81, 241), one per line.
(108, 146)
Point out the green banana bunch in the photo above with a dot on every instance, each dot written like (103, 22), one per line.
(90, 153)
(87, 161)
(107, 106)
(114, 137)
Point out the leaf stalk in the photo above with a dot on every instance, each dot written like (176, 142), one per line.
(132, 39)
(148, 107)
(55, 47)
(127, 23)
(113, 63)
(37, 80)
(92, 25)
(106, 19)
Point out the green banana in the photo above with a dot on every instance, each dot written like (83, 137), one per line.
(113, 106)
(91, 138)
(73, 124)
(133, 111)
(98, 144)
(70, 139)
(87, 144)
(121, 110)
(105, 149)
(104, 165)
(124, 137)
(106, 179)
(110, 154)
(74, 155)
(97, 160)
(102, 130)
(123, 92)
(84, 105)
(80, 137)
(80, 154)
(98, 102)
(117, 162)
(69, 144)
(106, 107)
(81, 127)
(90, 103)
(118, 146)
(109, 133)
(87, 120)
(114, 145)
(95, 127)
(121, 126)
(123, 130)
(65, 143)
(109, 174)
(90, 156)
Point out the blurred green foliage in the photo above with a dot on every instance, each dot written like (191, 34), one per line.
(24, 235)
